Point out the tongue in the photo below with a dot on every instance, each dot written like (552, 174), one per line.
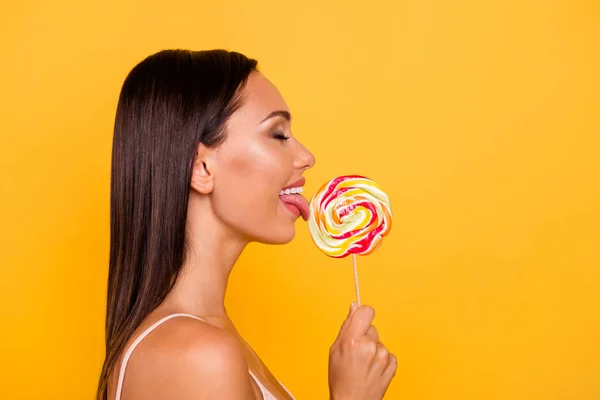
(297, 201)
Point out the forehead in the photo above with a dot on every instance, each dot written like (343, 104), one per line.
(260, 98)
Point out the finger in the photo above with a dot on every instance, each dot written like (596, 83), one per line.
(360, 322)
(346, 322)
(390, 370)
(365, 350)
(381, 358)
(372, 334)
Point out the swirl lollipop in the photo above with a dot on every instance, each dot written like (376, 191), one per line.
(349, 215)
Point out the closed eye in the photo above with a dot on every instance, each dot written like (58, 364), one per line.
(280, 136)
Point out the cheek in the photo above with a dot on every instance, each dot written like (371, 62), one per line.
(248, 183)
(256, 167)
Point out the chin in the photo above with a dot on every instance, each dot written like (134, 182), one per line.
(280, 236)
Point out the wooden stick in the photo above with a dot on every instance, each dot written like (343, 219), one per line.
(356, 279)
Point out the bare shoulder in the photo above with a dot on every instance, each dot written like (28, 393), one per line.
(188, 359)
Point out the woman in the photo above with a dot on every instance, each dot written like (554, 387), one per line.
(202, 154)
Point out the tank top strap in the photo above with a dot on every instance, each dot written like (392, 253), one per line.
(265, 392)
(147, 331)
(137, 341)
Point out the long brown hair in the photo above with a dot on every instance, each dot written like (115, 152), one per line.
(169, 103)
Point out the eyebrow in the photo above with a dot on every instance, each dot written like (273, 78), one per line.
(278, 113)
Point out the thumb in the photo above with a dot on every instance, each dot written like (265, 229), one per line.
(361, 322)
(353, 308)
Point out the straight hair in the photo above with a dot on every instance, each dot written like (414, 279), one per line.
(169, 103)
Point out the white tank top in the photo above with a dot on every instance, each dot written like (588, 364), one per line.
(265, 393)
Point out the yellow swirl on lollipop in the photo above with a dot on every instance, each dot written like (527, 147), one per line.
(349, 215)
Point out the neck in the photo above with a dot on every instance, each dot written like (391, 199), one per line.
(211, 254)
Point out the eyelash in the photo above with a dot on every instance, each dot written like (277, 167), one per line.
(280, 136)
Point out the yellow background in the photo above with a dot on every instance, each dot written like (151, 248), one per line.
(480, 119)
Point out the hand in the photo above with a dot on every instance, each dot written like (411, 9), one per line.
(360, 367)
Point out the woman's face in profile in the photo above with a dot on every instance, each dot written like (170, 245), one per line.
(259, 157)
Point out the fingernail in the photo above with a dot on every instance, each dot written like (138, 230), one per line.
(351, 307)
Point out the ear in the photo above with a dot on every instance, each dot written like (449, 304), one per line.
(203, 178)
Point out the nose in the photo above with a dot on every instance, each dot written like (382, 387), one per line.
(303, 159)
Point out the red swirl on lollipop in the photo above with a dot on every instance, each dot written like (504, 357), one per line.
(349, 215)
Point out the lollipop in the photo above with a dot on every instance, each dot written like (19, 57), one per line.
(349, 215)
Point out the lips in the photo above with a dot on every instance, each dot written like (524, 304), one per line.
(299, 183)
